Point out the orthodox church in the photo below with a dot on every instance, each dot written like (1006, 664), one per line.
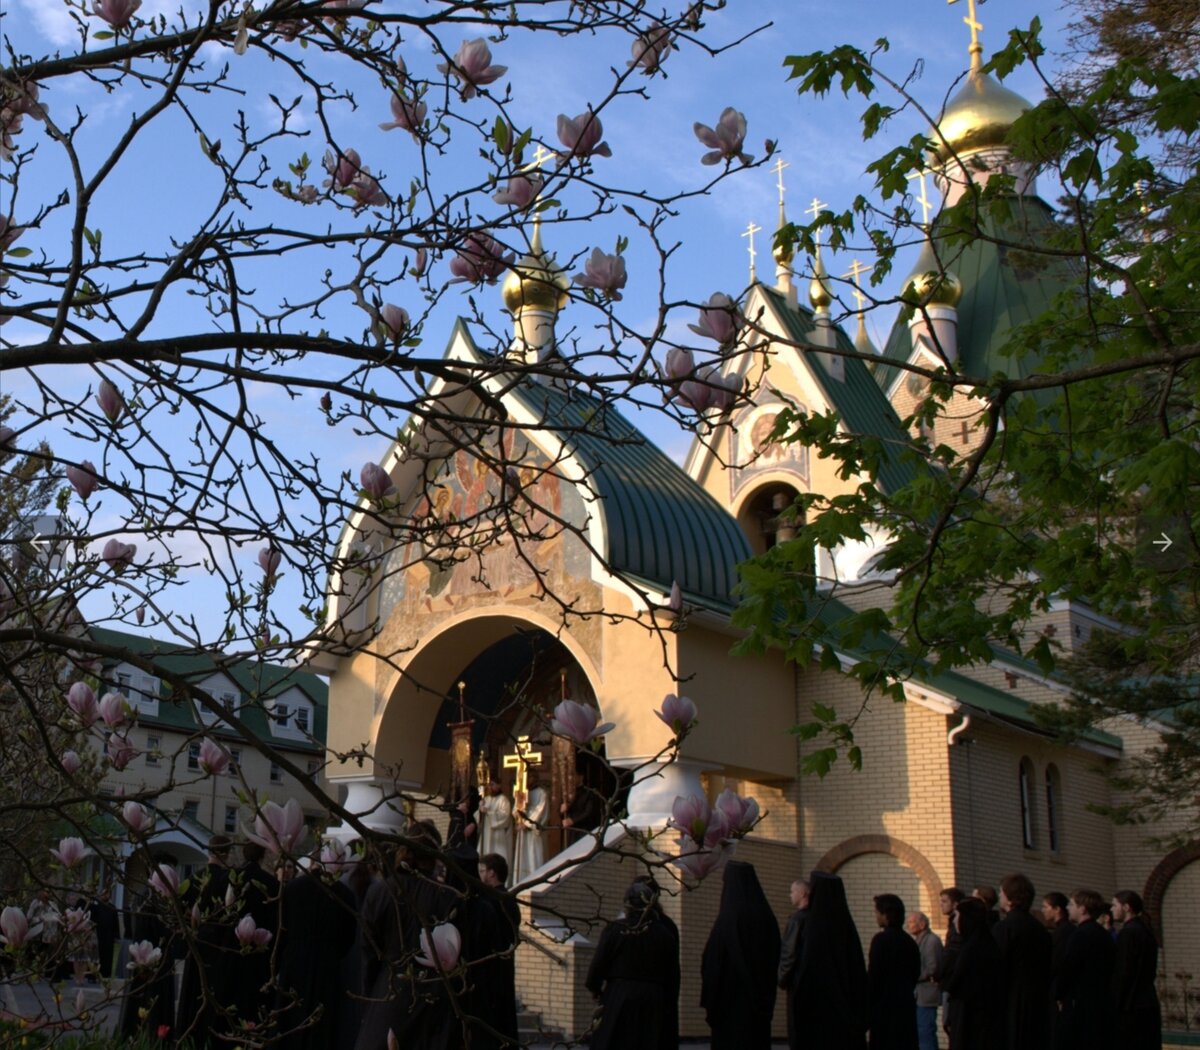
(562, 554)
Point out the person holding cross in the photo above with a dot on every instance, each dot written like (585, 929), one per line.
(531, 850)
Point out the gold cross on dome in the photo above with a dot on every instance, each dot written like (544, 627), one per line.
(923, 199)
(780, 164)
(751, 230)
(855, 271)
(815, 210)
(520, 760)
(976, 27)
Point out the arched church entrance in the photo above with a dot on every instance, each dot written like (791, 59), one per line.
(493, 725)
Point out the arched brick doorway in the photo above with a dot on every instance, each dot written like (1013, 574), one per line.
(859, 845)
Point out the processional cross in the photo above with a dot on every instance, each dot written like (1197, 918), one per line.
(520, 760)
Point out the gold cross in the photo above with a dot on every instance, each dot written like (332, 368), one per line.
(780, 164)
(857, 268)
(815, 210)
(521, 759)
(751, 230)
(976, 28)
(923, 199)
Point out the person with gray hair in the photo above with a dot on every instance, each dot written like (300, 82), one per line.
(789, 952)
(928, 994)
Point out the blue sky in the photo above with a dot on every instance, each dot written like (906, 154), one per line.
(164, 185)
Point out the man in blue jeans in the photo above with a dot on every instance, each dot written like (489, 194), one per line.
(928, 994)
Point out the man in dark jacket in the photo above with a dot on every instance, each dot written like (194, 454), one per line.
(1058, 922)
(1085, 982)
(1139, 1017)
(789, 953)
(1025, 945)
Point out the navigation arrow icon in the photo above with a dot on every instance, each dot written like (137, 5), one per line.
(1164, 543)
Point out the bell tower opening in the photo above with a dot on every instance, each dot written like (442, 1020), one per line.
(769, 517)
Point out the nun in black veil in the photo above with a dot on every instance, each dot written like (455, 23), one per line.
(831, 977)
(739, 964)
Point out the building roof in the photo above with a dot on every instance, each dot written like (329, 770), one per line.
(860, 403)
(1007, 283)
(661, 527)
(257, 680)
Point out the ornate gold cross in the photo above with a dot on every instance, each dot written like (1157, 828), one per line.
(815, 210)
(856, 269)
(976, 27)
(780, 164)
(521, 759)
(751, 230)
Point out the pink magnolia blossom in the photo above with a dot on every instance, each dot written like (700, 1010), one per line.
(117, 13)
(710, 390)
(420, 262)
(82, 700)
(7, 434)
(165, 880)
(268, 560)
(720, 828)
(719, 319)
(70, 762)
(603, 273)
(581, 136)
(70, 852)
(692, 816)
(343, 168)
(520, 191)
(144, 955)
(481, 258)
(678, 712)
(83, 479)
(117, 555)
(408, 114)
(120, 751)
(279, 828)
(114, 710)
(652, 48)
(726, 139)
(14, 927)
(366, 191)
(9, 232)
(681, 363)
(140, 614)
(375, 481)
(578, 722)
(392, 1042)
(111, 403)
(675, 600)
(697, 862)
(472, 67)
(334, 856)
(77, 920)
(440, 947)
(137, 817)
(742, 812)
(213, 758)
(393, 321)
(250, 934)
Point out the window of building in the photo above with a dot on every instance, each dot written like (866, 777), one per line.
(231, 815)
(194, 755)
(302, 719)
(276, 774)
(153, 748)
(191, 810)
(235, 761)
(1053, 808)
(1025, 786)
(281, 714)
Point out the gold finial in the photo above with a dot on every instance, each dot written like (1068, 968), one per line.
(783, 255)
(923, 199)
(818, 289)
(976, 27)
(536, 281)
(751, 230)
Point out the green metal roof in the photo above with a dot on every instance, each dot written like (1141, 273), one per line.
(860, 403)
(661, 526)
(257, 680)
(1007, 283)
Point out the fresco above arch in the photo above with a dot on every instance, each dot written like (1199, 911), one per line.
(753, 453)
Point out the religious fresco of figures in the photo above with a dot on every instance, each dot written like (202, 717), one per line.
(484, 538)
(753, 452)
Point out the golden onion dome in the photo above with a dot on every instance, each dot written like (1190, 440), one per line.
(978, 117)
(931, 284)
(818, 288)
(536, 281)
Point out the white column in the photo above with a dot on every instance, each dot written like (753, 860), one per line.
(656, 786)
(373, 802)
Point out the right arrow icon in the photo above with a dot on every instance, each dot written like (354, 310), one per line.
(1164, 543)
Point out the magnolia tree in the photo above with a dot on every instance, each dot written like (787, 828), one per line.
(203, 239)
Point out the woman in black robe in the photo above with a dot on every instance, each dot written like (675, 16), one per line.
(737, 969)
(149, 1002)
(976, 985)
(895, 965)
(1026, 948)
(404, 996)
(630, 976)
(831, 977)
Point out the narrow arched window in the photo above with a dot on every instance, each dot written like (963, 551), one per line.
(1025, 786)
(1053, 808)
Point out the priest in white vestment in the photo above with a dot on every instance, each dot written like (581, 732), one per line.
(531, 850)
(497, 816)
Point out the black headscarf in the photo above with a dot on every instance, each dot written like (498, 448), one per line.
(745, 934)
(831, 974)
(972, 918)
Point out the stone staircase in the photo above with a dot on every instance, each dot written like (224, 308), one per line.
(532, 1032)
